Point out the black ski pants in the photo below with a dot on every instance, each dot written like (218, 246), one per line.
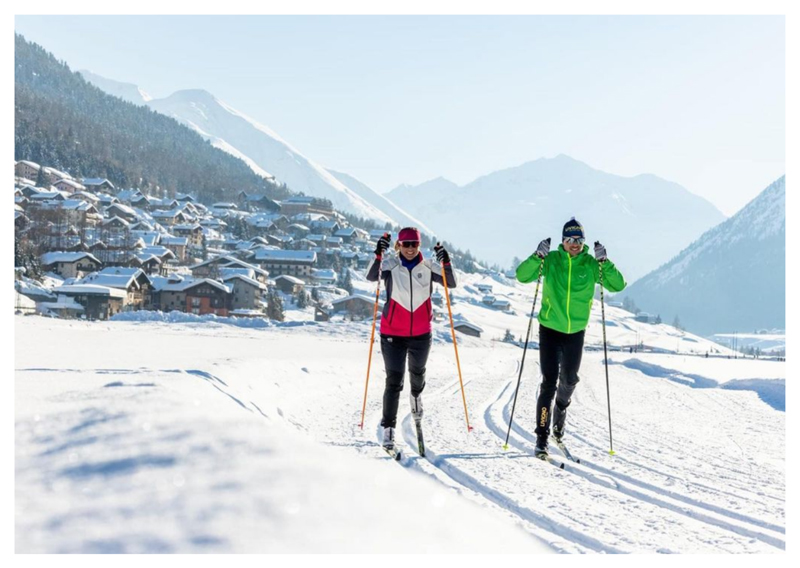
(395, 352)
(560, 360)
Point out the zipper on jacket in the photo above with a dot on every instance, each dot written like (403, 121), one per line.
(569, 289)
(411, 294)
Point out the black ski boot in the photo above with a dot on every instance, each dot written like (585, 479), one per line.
(559, 419)
(541, 448)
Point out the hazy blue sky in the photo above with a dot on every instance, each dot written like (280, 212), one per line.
(390, 100)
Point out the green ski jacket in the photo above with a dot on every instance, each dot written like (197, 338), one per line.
(569, 286)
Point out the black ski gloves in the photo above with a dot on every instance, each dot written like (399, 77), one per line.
(600, 252)
(544, 248)
(382, 245)
(441, 254)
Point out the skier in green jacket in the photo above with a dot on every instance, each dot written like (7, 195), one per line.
(570, 275)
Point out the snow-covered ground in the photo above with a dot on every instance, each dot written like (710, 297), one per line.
(224, 435)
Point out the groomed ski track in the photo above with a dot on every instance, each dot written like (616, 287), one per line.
(578, 509)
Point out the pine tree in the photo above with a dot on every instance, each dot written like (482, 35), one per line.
(275, 306)
(676, 323)
(508, 337)
(302, 299)
(347, 280)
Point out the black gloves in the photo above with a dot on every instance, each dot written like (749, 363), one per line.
(544, 248)
(382, 245)
(441, 254)
(600, 252)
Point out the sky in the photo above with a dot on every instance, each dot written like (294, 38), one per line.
(699, 100)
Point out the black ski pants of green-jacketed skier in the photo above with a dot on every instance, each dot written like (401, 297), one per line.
(396, 350)
(560, 360)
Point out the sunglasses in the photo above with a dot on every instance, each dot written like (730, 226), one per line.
(409, 244)
(574, 240)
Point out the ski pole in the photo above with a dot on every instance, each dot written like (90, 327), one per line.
(455, 345)
(605, 353)
(372, 340)
(524, 350)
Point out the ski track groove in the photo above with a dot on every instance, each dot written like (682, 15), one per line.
(658, 495)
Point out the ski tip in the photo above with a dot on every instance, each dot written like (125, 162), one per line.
(561, 466)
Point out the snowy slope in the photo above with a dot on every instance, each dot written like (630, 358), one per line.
(126, 91)
(730, 279)
(262, 149)
(192, 434)
(643, 220)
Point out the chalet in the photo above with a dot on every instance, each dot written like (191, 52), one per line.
(281, 241)
(334, 242)
(70, 264)
(468, 328)
(149, 263)
(350, 235)
(121, 211)
(52, 175)
(258, 203)
(297, 263)
(246, 293)
(99, 302)
(115, 224)
(289, 284)
(323, 276)
(325, 227)
(79, 211)
(193, 232)
(129, 195)
(185, 198)
(98, 185)
(177, 245)
(296, 205)
(484, 288)
(297, 230)
(356, 306)
(68, 186)
(203, 296)
(214, 267)
(27, 169)
(63, 307)
(134, 281)
(500, 304)
(171, 217)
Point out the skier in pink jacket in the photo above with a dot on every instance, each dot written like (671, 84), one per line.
(405, 326)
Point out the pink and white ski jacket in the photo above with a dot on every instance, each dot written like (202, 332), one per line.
(408, 310)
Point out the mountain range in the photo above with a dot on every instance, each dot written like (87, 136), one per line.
(643, 220)
(730, 279)
(262, 149)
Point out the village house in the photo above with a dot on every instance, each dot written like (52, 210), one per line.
(99, 302)
(468, 328)
(192, 231)
(98, 185)
(203, 296)
(215, 267)
(68, 186)
(356, 306)
(177, 245)
(171, 217)
(134, 281)
(27, 169)
(297, 263)
(70, 264)
(246, 293)
(122, 211)
(289, 284)
(52, 175)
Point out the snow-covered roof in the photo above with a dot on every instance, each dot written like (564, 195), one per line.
(244, 278)
(288, 278)
(326, 273)
(175, 241)
(188, 284)
(61, 256)
(93, 289)
(29, 163)
(285, 255)
(468, 325)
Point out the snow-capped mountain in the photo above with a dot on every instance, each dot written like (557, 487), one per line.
(730, 279)
(126, 91)
(262, 149)
(643, 220)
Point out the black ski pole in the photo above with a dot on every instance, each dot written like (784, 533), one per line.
(524, 350)
(605, 353)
